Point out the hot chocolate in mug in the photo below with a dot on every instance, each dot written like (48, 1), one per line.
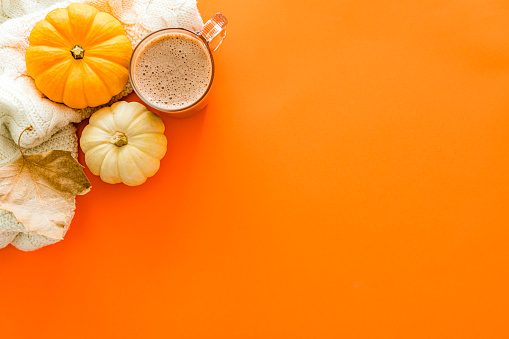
(172, 69)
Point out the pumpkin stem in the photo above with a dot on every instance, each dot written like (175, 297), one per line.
(119, 139)
(78, 52)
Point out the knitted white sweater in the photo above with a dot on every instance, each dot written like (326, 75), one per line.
(22, 105)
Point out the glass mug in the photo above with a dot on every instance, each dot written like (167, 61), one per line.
(209, 38)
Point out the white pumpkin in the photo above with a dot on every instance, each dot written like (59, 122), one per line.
(124, 143)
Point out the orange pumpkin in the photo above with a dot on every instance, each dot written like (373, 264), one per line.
(79, 56)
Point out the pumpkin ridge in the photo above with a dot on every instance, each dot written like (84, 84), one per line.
(103, 42)
(60, 35)
(142, 151)
(95, 57)
(112, 149)
(87, 66)
(43, 74)
(95, 52)
(108, 24)
(37, 53)
(87, 102)
(91, 159)
(118, 168)
(69, 70)
(154, 153)
(146, 133)
(80, 32)
(90, 63)
(101, 138)
(94, 147)
(53, 66)
(89, 26)
(49, 47)
(102, 129)
(133, 162)
(139, 117)
(50, 20)
(100, 78)
(98, 144)
(136, 163)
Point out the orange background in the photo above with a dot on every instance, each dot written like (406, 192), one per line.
(349, 179)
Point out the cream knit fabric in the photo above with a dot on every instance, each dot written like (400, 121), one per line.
(22, 105)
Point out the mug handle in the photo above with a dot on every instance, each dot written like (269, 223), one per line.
(214, 31)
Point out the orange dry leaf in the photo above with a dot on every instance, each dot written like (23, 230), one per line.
(40, 189)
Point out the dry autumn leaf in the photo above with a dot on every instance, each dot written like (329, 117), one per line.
(40, 189)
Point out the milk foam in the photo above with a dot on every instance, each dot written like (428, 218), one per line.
(173, 71)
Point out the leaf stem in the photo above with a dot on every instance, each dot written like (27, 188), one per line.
(29, 128)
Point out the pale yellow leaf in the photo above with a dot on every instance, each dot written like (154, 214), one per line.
(40, 189)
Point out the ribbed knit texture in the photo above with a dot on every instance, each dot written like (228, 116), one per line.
(22, 104)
